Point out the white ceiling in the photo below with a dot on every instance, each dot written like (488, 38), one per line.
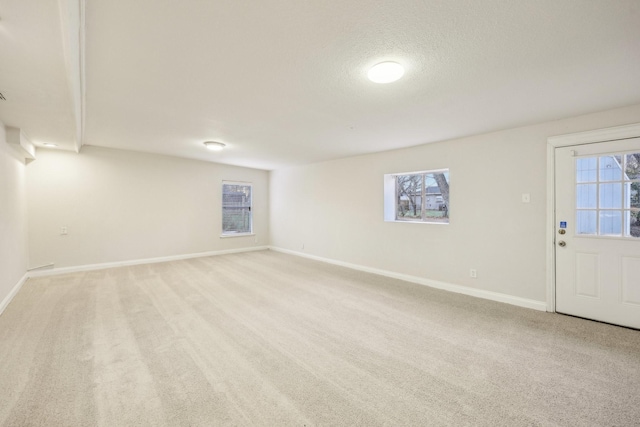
(283, 82)
(34, 77)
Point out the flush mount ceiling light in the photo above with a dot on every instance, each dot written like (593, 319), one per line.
(214, 145)
(385, 72)
(50, 144)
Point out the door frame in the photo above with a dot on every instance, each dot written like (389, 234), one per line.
(567, 140)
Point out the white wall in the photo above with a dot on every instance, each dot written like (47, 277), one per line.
(13, 218)
(336, 208)
(120, 206)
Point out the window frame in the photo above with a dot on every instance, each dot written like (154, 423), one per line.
(391, 197)
(224, 233)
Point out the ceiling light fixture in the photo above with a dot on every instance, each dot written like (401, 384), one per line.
(386, 72)
(50, 144)
(214, 145)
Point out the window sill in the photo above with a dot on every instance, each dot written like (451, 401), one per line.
(415, 222)
(224, 236)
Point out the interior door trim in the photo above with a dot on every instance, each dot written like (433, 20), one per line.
(553, 142)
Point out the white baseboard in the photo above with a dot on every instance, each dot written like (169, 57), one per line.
(102, 266)
(479, 293)
(5, 302)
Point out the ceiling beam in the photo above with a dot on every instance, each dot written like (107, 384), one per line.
(72, 16)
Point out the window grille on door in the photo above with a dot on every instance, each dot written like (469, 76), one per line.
(607, 195)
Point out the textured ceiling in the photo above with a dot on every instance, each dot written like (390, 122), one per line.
(33, 72)
(284, 82)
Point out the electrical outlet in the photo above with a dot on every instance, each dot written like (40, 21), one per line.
(526, 198)
(473, 273)
(64, 231)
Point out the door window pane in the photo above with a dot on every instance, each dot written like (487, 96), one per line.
(610, 223)
(608, 195)
(610, 168)
(586, 222)
(632, 169)
(632, 195)
(633, 219)
(587, 169)
(586, 196)
(611, 196)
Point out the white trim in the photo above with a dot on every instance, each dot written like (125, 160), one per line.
(82, 31)
(598, 135)
(418, 172)
(553, 142)
(247, 183)
(5, 302)
(408, 221)
(102, 266)
(479, 293)
(51, 264)
(224, 236)
(551, 229)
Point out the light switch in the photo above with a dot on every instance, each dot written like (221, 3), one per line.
(526, 198)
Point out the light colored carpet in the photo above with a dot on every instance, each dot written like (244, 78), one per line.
(265, 338)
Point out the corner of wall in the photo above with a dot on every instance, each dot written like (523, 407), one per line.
(13, 199)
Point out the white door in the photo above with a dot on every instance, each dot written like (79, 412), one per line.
(598, 231)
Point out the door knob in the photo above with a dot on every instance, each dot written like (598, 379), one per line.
(562, 243)
(562, 231)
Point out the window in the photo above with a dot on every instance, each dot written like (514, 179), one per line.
(608, 195)
(236, 208)
(417, 196)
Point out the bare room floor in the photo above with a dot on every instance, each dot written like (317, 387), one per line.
(264, 338)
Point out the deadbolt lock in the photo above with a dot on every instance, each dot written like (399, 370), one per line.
(562, 231)
(562, 243)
